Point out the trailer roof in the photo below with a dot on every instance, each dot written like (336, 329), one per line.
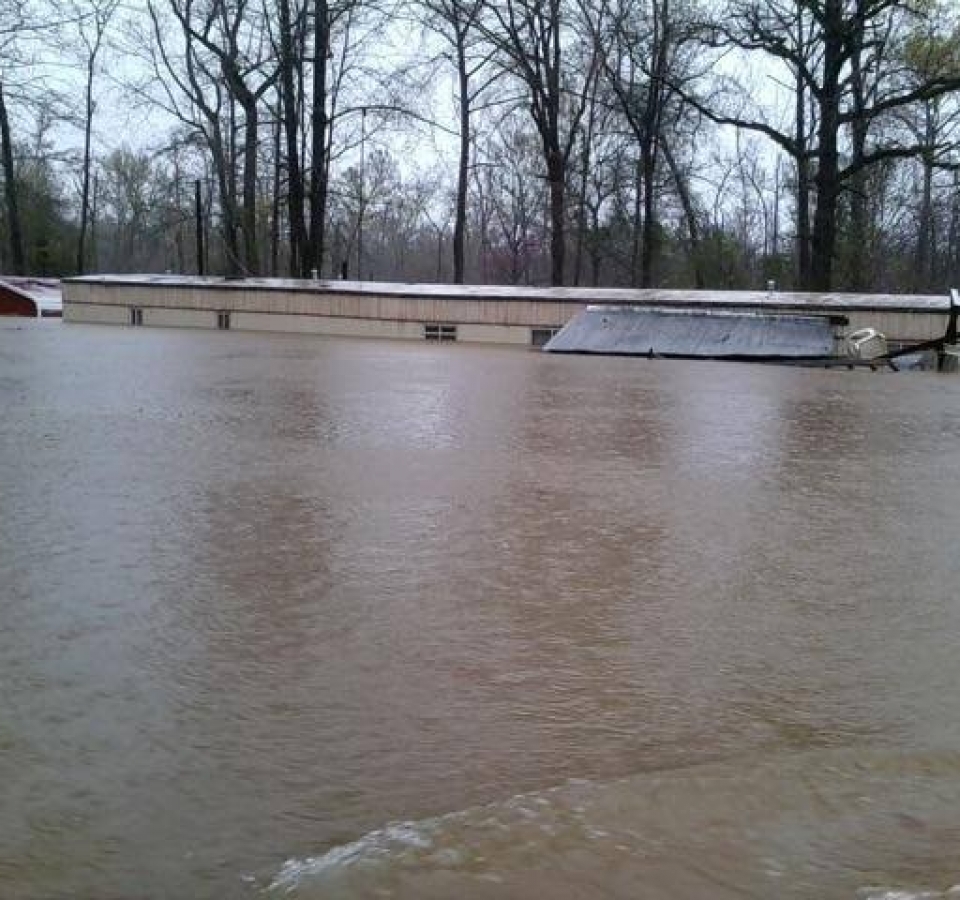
(826, 302)
(44, 293)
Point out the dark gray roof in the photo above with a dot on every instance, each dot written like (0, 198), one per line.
(708, 334)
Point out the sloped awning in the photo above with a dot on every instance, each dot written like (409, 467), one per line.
(697, 334)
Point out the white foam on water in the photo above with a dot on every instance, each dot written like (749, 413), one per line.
(878, 893)
(374, 845)
(903, 895)
(774, 818)
(444, 841)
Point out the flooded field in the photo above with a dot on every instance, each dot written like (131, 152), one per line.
(295, 617)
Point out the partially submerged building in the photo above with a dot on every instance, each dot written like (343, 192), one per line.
(30, 297)
(493, 313)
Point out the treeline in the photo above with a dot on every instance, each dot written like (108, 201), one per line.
(722, 143)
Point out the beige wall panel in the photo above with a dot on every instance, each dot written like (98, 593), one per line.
(96, 314)
(345, 327)
(77, 293)
(179, 318)
(142, 296)
(901, 326)
(410, 309)
(494, 334)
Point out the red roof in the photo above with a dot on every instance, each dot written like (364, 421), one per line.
(24, 296)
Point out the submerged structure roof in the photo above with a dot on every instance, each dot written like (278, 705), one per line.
(707, 334)
(21, 296)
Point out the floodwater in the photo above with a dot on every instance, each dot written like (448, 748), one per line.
(307, 618)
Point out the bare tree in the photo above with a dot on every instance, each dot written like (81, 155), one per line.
(456, 22)
(535, 38)
(14, 226)
(230, 33)
(16, 22)
(643, 45)
(843, 35)
(182, 81)
(92, 20)
(290, 45)
(934, 126)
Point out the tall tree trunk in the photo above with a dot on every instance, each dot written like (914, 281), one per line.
(94, 215)
(689, 215)
(319, 169)
(775, 236)
(595, 248)
(289, 103)
(231, 147)
(922, 273)
(15, 233)
(555, 173)
(925, 252)
(953, 240)
(275, 208)
(463, 171)
(581, 227)
(581, 213)
(828, 170)
(651, 235)
(247, 100)
(249, 213)
(804, 277)
(649, 146)
(484, 223)
(585, 160)
(225, 175)
(804, 265)
(636, 246)
(85, 184)
(857, 252)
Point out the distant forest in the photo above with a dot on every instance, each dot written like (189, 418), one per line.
(676, 143)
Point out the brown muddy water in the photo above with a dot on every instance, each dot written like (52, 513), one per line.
(317, 618)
